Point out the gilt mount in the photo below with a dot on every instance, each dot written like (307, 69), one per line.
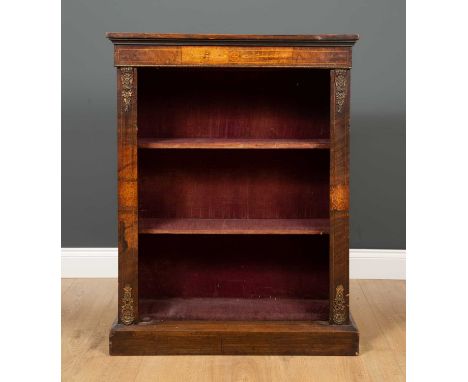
(339, 306)
(127, 87)
(127, 316)
(340, 88)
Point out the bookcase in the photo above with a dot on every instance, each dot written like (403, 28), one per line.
(233, 194)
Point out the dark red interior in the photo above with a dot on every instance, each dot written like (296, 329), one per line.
(226, 276)
(228, 184)
(233, 103)
(235, 277)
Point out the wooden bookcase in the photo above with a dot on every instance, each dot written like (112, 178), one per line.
(233, 158)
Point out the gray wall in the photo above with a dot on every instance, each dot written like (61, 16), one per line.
(89, 102)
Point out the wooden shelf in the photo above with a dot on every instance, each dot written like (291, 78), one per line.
(235, 226)
(233, 309)
(231, 143)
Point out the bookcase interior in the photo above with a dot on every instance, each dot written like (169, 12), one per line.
(233, 103)
(231, 228)
(240, 184)
(233, 277)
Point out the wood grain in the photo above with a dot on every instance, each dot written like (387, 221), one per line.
(227, 39)
(239, 338)
(234, 226)
(339, 187)
(127, 190)
(88, 311)
(232, 143)
(232, 56)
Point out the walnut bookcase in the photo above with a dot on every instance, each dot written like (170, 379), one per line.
(233, 202)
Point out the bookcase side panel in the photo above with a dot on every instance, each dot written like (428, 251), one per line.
(339, 196)
(127, 195)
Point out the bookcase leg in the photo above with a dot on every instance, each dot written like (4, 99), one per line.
(127, 195)
(339, 196)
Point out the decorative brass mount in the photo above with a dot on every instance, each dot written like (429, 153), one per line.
(339, 306)
(127, 87)
(340, 88)
(127, 317)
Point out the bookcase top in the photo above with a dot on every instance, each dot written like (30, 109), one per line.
(232, 39)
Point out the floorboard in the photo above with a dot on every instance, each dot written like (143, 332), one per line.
(89, 307)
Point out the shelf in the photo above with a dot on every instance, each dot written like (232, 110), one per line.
(231, 143)
(235, 226)
(233, 309)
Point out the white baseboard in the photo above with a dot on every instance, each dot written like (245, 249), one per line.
(89, 262)
(363, 263)
(377, 264)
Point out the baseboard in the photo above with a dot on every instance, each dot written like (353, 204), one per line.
(89, 262)
(377, 264)
(364, 263)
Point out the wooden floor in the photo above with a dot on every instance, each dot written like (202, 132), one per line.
(89, 306)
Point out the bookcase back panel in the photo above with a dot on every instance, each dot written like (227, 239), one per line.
(286, 275)
(233, 103)
(223, 184)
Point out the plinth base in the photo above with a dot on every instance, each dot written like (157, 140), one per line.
(234, 338)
